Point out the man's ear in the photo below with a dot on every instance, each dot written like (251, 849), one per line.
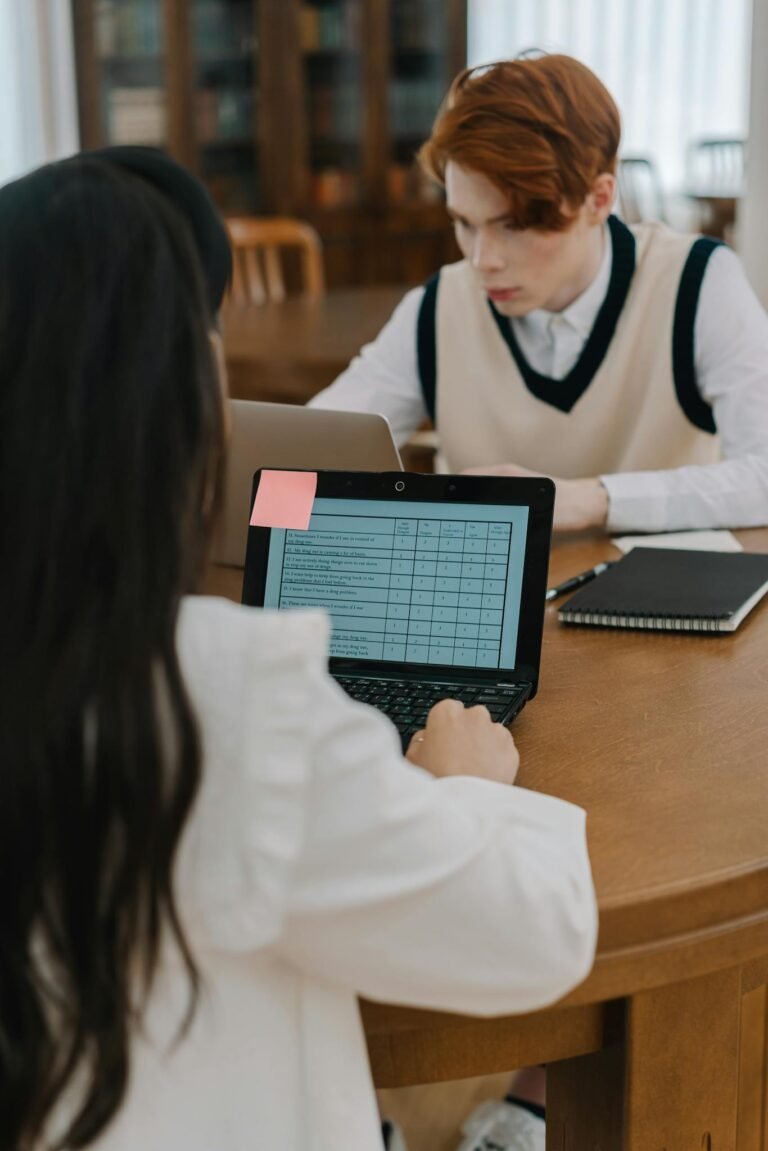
(601, 198)
(217, 345)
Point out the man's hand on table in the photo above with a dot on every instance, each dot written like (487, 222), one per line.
(579, 504)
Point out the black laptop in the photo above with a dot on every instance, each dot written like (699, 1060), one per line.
(434, 585)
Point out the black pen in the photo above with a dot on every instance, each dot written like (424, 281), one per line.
(577, 581)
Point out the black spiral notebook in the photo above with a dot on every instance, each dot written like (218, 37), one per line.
(660, 589)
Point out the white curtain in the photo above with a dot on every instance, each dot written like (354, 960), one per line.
(678, 69)
(751, 216)
(38, 105)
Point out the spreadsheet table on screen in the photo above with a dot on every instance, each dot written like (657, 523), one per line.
(422, 584)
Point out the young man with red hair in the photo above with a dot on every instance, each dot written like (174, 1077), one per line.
(629, 363)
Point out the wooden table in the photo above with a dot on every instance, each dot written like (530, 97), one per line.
(664, 740)
(287, 352)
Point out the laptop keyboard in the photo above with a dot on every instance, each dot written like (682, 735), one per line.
(408, 703)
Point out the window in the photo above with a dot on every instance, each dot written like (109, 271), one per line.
(38, 116)
(678, 69)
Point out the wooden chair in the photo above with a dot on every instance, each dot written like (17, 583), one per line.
(640, 194)
(715, 177)
(716, 167)
(257, 276)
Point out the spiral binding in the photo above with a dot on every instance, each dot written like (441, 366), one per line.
(645, 622)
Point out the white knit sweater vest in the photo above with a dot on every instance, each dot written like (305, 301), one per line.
(632, 399)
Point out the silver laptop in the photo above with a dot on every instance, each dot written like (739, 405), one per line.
(289, 436)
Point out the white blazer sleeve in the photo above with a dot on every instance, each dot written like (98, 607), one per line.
(384, 377)
(460, 894)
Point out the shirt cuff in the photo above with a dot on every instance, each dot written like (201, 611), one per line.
(636, 502)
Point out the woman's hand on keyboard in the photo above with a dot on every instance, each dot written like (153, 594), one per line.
(464, 741)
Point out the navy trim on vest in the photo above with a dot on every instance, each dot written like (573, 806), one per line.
(426, 343)
(564, 394)
(697, 410)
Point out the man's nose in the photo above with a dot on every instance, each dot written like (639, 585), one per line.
(486, 251)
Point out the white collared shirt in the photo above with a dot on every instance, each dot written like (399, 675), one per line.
(731, 365)
(553, 341)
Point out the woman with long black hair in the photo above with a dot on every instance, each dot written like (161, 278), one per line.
(206, 850)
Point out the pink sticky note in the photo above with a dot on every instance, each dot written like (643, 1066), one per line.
(284, 500)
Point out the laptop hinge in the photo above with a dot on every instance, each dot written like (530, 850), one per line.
(457, 675)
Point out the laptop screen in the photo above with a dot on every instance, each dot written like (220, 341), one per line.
(416, 571)
(407, 581)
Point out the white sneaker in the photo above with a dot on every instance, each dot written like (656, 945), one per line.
(393, 1136)
(502, 1126)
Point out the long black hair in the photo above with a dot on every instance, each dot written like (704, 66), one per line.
(110, 454)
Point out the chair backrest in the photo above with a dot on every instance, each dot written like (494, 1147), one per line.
(640, 194)
(257, 275)
(716, 167)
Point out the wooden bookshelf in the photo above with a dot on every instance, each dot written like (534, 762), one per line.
(313, 108)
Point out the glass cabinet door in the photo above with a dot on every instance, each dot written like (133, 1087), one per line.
(130, 71)
(420, 74)
(331, 54)
(226, 83)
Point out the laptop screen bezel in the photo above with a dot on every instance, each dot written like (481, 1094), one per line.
(537, 494)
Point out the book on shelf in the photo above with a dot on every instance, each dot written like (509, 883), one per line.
(328, 29)
(137, 116)
(234, 193)
(413, 105)
(407, 183)
(207, 101)
(225, 114)
(309, 28)
(397, 183)
(128, 29)
(334, 188)
(223, 29)
(335, 111)
(416, 25)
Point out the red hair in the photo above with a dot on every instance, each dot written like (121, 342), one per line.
(541, 129)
